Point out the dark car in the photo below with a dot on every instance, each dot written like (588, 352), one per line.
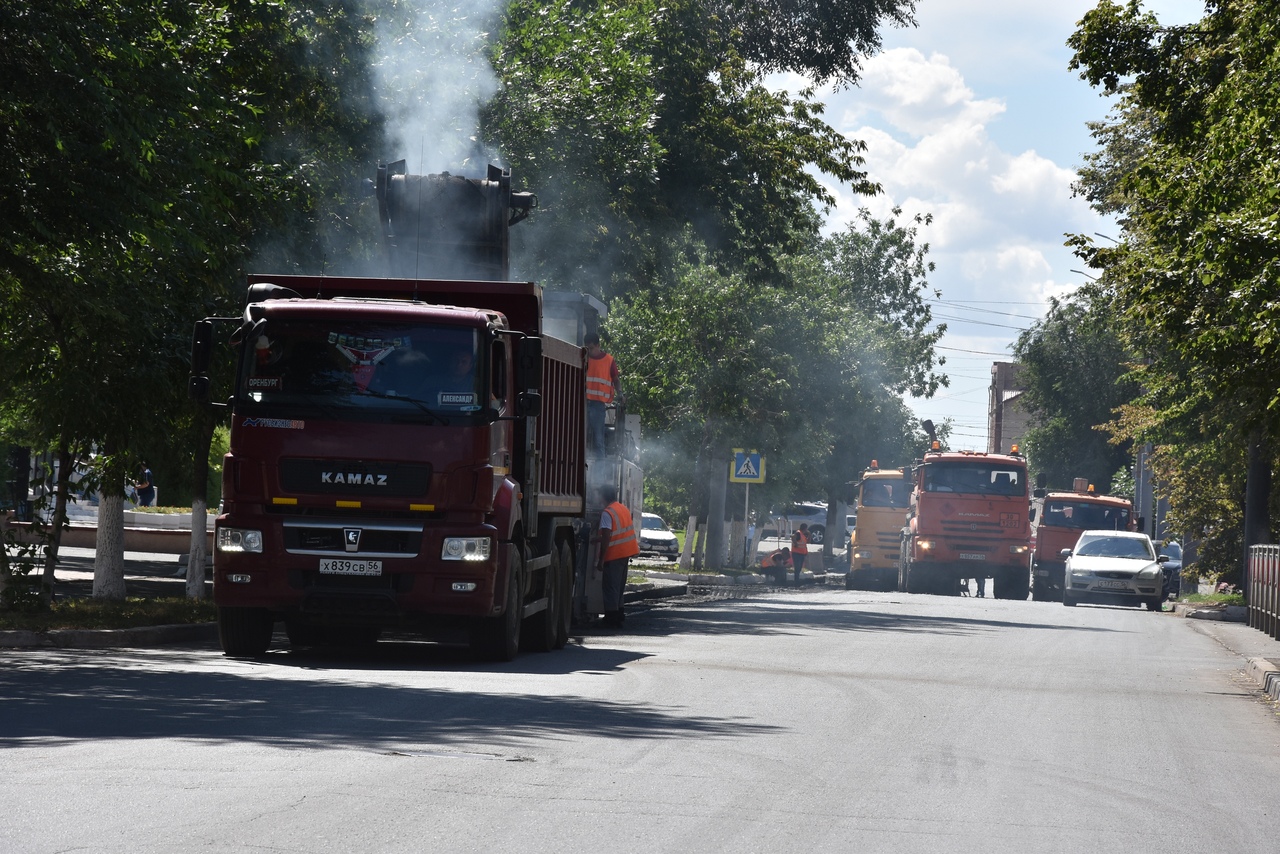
(1172, 567)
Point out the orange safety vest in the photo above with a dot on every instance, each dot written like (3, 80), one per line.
(600, 379)
(622, 534)
(799, 543)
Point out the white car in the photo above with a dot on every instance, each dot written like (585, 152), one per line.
(656, 538)
(1114, 567)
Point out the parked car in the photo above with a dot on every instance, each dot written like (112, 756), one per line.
(1172, 567)
(782, 523)
(656, 538)
(1114, 567)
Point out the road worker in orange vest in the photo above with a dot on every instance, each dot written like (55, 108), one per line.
(618, 543)
(799, 549)
(603, 388)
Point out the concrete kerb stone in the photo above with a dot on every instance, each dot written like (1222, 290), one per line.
(1221, 613)
(1266, 675)
(142, 636)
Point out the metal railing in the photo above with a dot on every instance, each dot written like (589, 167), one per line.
(1264, 589)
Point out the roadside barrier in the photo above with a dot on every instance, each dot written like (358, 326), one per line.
(1264, 589)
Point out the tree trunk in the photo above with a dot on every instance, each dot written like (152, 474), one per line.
(108, 558)
(199, 509)
(1257, 495)
(66, 463)
(199, 549)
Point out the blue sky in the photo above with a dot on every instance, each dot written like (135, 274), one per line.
(974, 117)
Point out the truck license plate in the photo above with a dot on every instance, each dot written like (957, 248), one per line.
(334, 566)
(967, 556)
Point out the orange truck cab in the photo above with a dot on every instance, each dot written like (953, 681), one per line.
(1057, 520)
(968, 518)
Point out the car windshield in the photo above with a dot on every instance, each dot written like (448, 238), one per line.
(976, 477)
(1124, 547)
(1084, 515)
(653, 523)
(1173, 550)
(348, 368)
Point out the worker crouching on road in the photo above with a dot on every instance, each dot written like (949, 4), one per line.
(618, 544)
(776, 564)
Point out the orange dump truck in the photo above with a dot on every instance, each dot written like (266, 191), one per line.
(968, 519)
(1057, 519)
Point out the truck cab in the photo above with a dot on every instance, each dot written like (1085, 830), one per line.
(882, 499)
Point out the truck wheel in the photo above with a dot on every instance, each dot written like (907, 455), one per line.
(541, 629)
(914, 579)
(498, 638)
(1012, 584)
(565, 623)
(244, 632)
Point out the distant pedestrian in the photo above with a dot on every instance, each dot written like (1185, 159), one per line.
(603, 388)
(799, 549)
(979, 583)
(146, 489)
(618, 544)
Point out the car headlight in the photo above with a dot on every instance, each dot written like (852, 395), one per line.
(1079, 573)
(239, 540)
(1150, 573)
(465, 548)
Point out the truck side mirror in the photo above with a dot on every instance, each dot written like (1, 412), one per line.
(1042, 480)
(201, 346)
(529, 403)
(1031, 515)
(528, 366)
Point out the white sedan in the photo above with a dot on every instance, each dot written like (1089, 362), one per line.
(1114, 567)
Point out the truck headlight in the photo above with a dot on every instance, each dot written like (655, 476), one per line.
(863, 554)
(465, 548)
(925, 545)
(1019, 550)
(239, 540)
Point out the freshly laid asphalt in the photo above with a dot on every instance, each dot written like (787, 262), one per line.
(160, 575)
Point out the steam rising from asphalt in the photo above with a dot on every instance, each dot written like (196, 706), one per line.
(432, 75)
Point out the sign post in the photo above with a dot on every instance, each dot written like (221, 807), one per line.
(748, 468)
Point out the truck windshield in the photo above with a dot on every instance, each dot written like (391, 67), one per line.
(1082, 515)
(976, 477)
(372, 368)
(885, 493)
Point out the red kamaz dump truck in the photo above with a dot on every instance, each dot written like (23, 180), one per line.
(1057, 519)
(967, 519)
(408, 453)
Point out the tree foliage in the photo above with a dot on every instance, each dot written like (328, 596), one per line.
(1190, 162)
(1077, 375)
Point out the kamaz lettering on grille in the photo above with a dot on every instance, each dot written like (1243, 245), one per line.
(353, 478)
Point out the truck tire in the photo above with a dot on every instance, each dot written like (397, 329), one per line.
(541, 629)
(244, 632)
(1012, 584)
(914, 579)
(565, 624)
(498, 638)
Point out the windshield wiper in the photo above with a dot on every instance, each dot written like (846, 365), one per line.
(420, 404)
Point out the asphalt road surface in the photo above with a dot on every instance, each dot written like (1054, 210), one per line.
(783, 721)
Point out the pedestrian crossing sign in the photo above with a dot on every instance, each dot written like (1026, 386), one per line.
(747, 467)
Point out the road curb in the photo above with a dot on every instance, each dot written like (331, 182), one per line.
(142, 636)
(1225, 614)
(1266, 674)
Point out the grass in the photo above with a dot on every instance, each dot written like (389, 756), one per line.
(82, 613)
(1213, 598)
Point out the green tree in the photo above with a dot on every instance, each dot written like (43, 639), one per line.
(1077, 375)
(1192, 164)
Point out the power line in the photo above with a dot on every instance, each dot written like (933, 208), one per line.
(979, 352)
